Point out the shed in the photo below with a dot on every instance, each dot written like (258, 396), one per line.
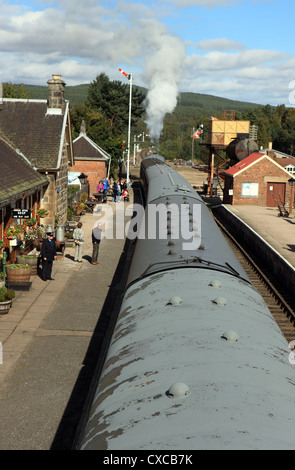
(90, 159)
(257, 180)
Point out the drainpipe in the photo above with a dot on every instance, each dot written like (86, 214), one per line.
(4, 264)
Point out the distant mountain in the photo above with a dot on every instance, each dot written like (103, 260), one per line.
(190, 103)
(75, 94)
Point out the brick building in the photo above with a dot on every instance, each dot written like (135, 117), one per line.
(257, 180)
(90, 159)
(40, 130)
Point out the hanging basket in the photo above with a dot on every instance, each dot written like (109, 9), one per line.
(18, 273)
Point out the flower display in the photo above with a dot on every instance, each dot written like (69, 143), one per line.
(18, 266)
(6, 294)
(33, 233)
(30, 222)
(42, 212)
(28, 231)
(14, 231)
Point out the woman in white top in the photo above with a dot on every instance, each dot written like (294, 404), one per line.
(78, 236)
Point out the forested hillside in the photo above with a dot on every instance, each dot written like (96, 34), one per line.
(275, 124)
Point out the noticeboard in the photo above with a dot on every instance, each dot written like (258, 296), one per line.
(21, 214)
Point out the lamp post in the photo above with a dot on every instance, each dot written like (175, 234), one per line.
(136, 142)
(129, 76)
(291, 182)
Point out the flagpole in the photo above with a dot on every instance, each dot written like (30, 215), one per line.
(129, 128)
(129, 76)
(193, 147)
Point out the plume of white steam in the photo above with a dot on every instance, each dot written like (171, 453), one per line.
(163, 70)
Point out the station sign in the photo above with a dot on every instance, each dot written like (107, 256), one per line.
(21, 214)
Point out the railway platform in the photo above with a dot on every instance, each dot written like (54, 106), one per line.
(50, 342)
(277, 231)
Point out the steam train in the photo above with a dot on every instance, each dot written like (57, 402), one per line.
(196, 360)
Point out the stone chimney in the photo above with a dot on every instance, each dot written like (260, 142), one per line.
(56, 100)
(270, 152)
(83, 128)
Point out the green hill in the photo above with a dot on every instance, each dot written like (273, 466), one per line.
(75, 94)
(190, 103)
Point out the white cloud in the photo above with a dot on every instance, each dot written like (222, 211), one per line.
(79, 40)
(222, 44)
(201, 3)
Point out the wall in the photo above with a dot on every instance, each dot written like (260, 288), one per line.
(95, 170)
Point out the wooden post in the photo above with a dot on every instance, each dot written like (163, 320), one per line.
(210, 173)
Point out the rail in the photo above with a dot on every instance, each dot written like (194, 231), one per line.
(280, 300)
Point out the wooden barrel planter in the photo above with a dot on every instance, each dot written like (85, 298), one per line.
(18, 273)
(6, 296)
(31, 260)
(5, 306)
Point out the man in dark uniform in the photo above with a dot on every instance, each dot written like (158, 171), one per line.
(48, 254)
(96, 238)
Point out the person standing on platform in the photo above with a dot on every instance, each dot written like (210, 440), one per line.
(106, 186)
(96, 239)
(48, 254)
(78, 236)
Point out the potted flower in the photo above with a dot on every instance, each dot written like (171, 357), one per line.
(33, 233)
(32, 260)
(13, 233)
(42, 213)
(18, 273)
(2, 282)
(6, 296)
(30, 222)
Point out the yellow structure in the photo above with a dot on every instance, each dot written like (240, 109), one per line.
(221, 132)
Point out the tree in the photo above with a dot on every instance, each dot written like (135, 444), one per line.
(98, 130)
(111, 99)
(14, 91)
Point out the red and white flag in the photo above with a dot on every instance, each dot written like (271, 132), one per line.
(124, 73)
(199, 132)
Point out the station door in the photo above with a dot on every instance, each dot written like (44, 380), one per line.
(275, 194)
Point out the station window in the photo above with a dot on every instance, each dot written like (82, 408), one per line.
(249, 189)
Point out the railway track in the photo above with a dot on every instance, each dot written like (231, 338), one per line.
(280, 302)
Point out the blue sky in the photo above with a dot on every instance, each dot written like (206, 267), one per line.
(237, 49)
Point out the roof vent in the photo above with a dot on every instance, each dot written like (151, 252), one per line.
(175, 301)
(171, 243)
(178, 390)
(172, 252)
(220, 301)
(215, 284)
(230, 336)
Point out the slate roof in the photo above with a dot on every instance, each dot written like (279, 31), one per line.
(86, 149)
(245, 163)
(37, 134)
(248, 162)
(16, 174)
(286, 161)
